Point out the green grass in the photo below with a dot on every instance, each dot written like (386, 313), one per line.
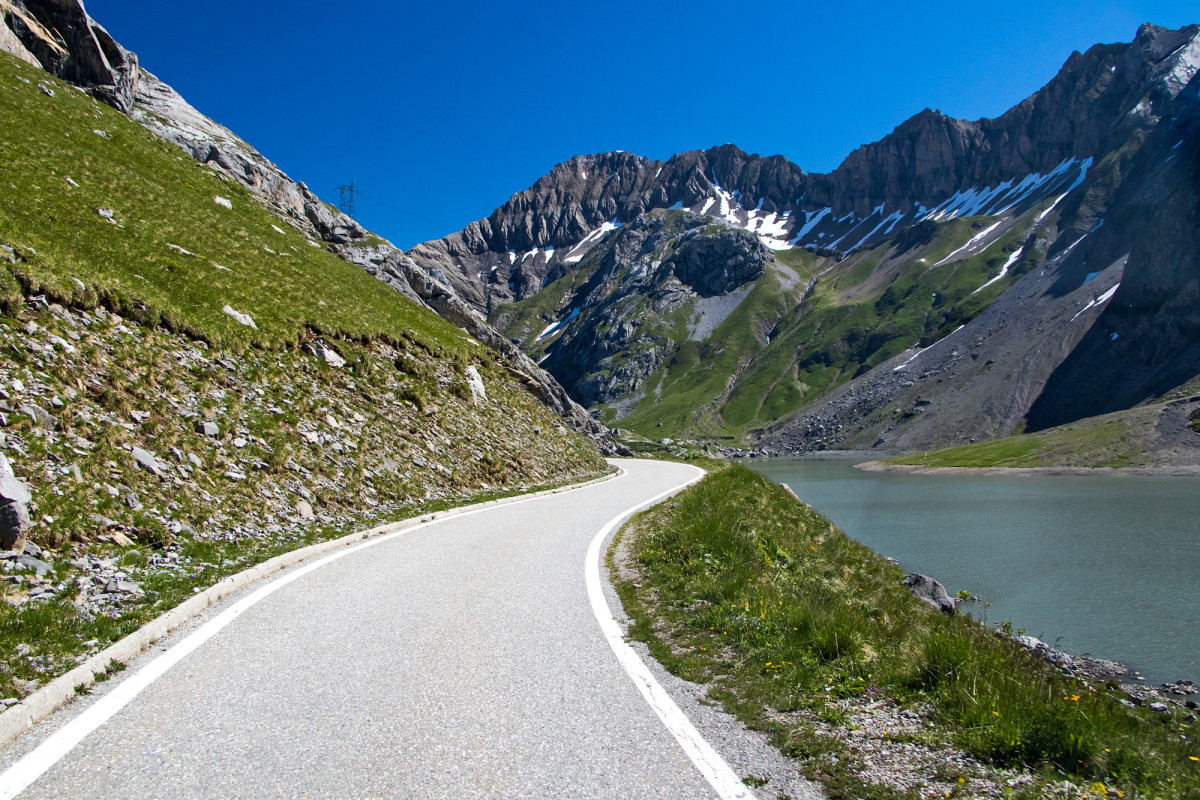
(698, 373)
(401, 432)
(831, 337)
(1120, 439)
(738, 584)
(526, 319)
(162, 197)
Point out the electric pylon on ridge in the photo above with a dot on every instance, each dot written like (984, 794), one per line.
(346, 195)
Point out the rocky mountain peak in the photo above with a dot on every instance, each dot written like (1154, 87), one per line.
(931, 166)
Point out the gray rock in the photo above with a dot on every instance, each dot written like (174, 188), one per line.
(1045, 651)
(103, 522)
(929, 591)
(122, 585)
(326, 354)
(14, 490)
(32, 549)
(208, 429)
(150, 462)
(35, 564)
(304, 509)
(14, 512)
(718, 263)
(1160, 707)
(40, 416)
(80, 51)
(133, 501)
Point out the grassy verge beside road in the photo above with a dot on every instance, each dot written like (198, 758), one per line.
(801, 631)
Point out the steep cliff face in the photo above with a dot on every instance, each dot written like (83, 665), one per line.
(66, 42)
(1147, 341)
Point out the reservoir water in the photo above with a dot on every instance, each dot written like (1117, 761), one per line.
(1090, 564)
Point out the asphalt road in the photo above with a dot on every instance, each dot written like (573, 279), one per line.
(458, 660)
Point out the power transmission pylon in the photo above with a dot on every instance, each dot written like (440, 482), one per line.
(346, 199)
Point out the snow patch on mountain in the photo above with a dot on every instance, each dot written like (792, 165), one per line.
(1012, 259)
(554, 327)
(1102, 299)
(974, 240)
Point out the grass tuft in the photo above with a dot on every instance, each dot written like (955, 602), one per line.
(741, 584)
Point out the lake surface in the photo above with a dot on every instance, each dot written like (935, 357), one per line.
(1103, 565)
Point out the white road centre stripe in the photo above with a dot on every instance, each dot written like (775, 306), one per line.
(715, 770)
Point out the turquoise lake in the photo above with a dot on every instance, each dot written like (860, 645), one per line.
(1090, 564)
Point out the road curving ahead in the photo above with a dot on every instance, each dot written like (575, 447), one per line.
(458, 658)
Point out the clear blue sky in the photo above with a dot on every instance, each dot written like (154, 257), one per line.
(442, 110)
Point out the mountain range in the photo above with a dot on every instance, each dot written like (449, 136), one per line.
(956, 281)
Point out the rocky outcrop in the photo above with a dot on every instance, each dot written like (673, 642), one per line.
(69, 44)
(930, 592)
(718, 262)
(14, 508)
(1147, 340)
(614, 336)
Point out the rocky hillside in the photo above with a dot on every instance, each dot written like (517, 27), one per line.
(192, 382)
(956, 280)
(59, 36)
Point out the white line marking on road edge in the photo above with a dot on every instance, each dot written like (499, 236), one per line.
(715, 770)
(34, 764)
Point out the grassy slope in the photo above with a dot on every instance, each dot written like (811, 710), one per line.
(392, 433)
(526, 319)
(831, 337)
(163, 198)
(699, 372)
(1120, 439)
(738, 584)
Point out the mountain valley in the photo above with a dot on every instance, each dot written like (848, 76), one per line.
(956, 281)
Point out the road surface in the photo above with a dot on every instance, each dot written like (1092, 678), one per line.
(462, 659)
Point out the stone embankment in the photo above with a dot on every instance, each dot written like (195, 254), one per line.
(137, 464)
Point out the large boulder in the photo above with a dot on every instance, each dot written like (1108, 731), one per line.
(14, 508)
(927, 590)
